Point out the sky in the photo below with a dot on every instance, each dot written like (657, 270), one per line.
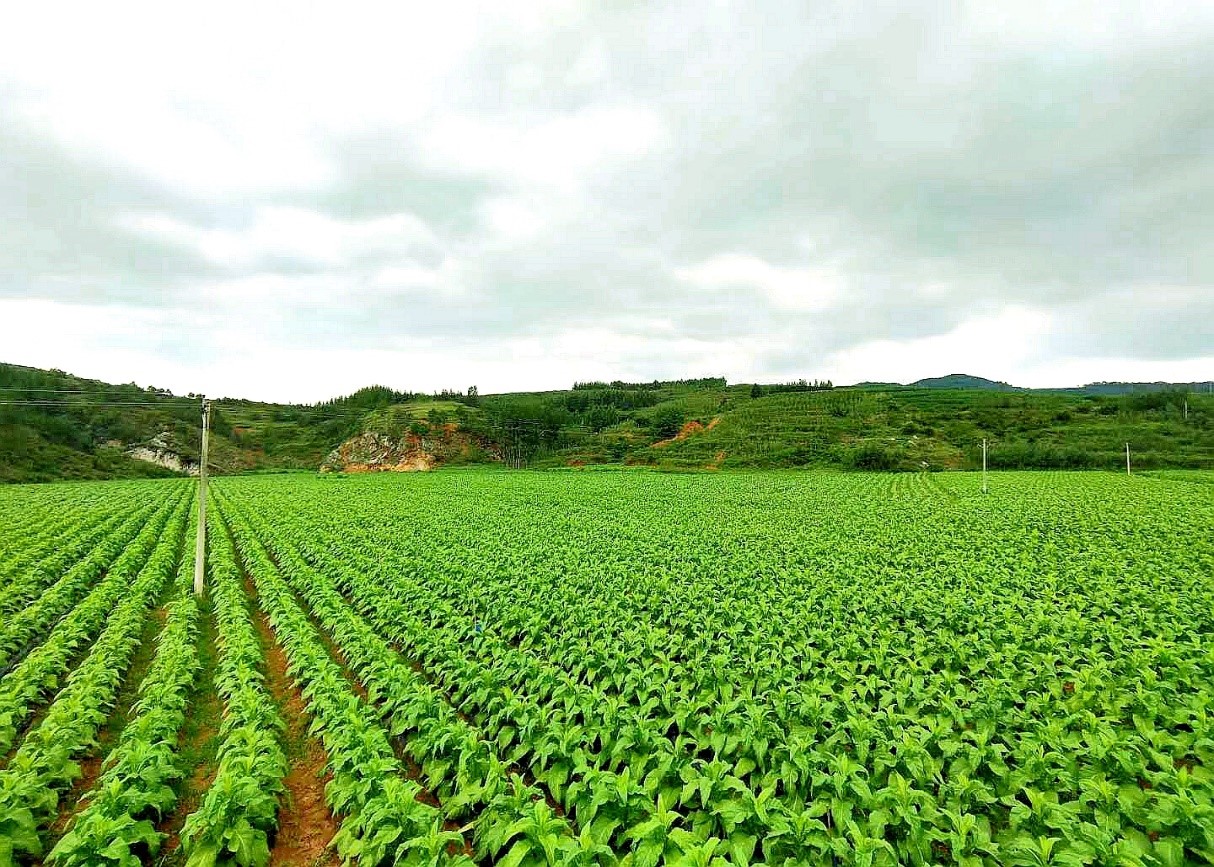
(291, 201)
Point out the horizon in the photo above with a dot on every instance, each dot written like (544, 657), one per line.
(569, 386)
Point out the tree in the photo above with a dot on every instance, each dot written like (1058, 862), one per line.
(666, 422)
(600, 417)
(756, 390)
(474, 396)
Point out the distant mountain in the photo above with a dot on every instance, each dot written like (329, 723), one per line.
(1111, 389)
(963, 380)
(1142, 387)
(57, 426)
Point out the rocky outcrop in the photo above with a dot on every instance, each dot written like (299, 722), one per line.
(160, 451)
(371, 452)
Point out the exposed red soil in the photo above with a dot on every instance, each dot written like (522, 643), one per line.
(305, 823)
(189, 801)
(74, 801)
(689, 429)
(412, 769)
(92, 765)
(90, 770)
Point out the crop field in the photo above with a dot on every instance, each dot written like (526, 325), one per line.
(610, 668)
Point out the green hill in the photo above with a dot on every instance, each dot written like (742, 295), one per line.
(57, 426)
(963, 380)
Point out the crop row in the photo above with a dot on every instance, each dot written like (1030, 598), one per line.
(929, 671)
(238, 813)
(383, 815)
(117, 822)
(61, 596)
(36, 521)
(45, 764)
(629, 669)
(40, 671)
(633, 794)
(508, 817)
(42, 565)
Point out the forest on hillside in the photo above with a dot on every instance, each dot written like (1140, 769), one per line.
(57, 426)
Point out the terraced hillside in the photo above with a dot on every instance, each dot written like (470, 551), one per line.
(55, 426)
(617, 668)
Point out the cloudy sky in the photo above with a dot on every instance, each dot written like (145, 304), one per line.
(291, 201)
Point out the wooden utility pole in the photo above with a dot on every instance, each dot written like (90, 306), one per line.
(984, 489)
(200, 541)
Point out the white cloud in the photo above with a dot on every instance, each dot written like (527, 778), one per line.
(294, 234)
(231, 347)
(812, 288)
(1090, 24)
(447, 281)
(554, 153)
(985, 346)
(242, 97)
(243, 359)
(527, 195)
(513, 219)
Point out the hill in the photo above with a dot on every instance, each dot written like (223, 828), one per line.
(963, 380)
(1143, 387)
(56, 426)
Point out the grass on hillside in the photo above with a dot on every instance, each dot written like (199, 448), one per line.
(700, 424)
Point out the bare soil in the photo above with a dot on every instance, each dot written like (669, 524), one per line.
(412, 769)
(91, 766)
(689, 429)
(305, 823)
(73, 802)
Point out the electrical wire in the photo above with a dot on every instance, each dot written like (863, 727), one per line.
(83, 404)
(168, 394)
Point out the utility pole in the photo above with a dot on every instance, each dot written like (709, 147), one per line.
(984, 488)
(200, 541)
(1127, 459)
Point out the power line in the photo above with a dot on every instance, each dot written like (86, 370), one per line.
(104, 389)
(80, 404)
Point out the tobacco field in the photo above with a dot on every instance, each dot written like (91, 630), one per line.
(610, 668)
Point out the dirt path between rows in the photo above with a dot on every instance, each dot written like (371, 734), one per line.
(75, 799)
(305, 823)
(399, 745)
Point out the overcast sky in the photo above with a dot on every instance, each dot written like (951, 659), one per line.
(292, 201)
